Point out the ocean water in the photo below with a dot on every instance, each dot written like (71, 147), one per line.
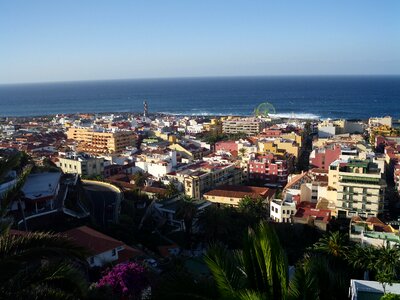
(351, 97)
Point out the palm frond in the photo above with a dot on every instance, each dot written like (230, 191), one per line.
(9, 164)
(45, 241)
(225, 269)
(303, 285)
(251, 295)
(265, 262)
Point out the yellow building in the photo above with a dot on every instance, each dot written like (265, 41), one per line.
(188, 151)
(92, 141)
(215, 126)
(280, 147)
(382, 130)
(202, 177)
(293, 136)
(233, 194)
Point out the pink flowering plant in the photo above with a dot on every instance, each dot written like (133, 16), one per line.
(127, 280)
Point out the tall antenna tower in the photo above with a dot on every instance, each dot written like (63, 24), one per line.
(145, 109)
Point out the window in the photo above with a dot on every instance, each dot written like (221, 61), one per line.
(114, 252)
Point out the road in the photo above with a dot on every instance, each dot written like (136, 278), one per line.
(104, 202)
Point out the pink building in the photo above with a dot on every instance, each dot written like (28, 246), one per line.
(271, 168)
(228, 146)
(322, 157)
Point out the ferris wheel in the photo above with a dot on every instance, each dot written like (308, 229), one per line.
(264, 110)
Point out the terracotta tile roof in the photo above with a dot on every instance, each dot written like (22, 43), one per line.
(95, 242)
(295, 180)
(374, 220)
(356, 219)
(127, 254)
(323, 215)
(154, 190)
(238, 191)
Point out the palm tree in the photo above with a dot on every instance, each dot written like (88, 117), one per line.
(387, 265)
(319, 277)
(13, 194)
(186, 211)
(333, 244)
(214, 223)
(304, 284)
(254, 209)
(140, 179)
(8, 164)
(181, 285)
(40, 266)
(171, 190)
(363, 258)
(259, 271)
(242, 151)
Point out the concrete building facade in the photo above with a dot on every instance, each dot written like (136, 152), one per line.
(250, 126)
(92, 141)
(84, 165)
(360, 188)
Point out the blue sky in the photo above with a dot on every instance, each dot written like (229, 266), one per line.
(84, 40)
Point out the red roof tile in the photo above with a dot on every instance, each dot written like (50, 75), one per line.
(95, 242)
(238, 191)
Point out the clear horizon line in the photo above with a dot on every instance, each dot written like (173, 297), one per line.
(197, 77)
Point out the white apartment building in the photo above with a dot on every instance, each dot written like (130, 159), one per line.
(157, 165)
(282, 211)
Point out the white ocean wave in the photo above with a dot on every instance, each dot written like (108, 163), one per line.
(295, 116)
(200, 113)
(279, 115)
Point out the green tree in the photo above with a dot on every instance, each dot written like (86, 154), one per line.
(40, 266)
(317, 276)
(259, 271)
(13, 194)
(9, 163)
(390, 296)
(186, 211)
(214, 223)
(242, 151)
(254, 209)
(140, 179)
(335, 244)
(172, 190)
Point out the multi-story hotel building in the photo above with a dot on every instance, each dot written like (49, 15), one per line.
(250, 126)
(360, 188)
(92, 141)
